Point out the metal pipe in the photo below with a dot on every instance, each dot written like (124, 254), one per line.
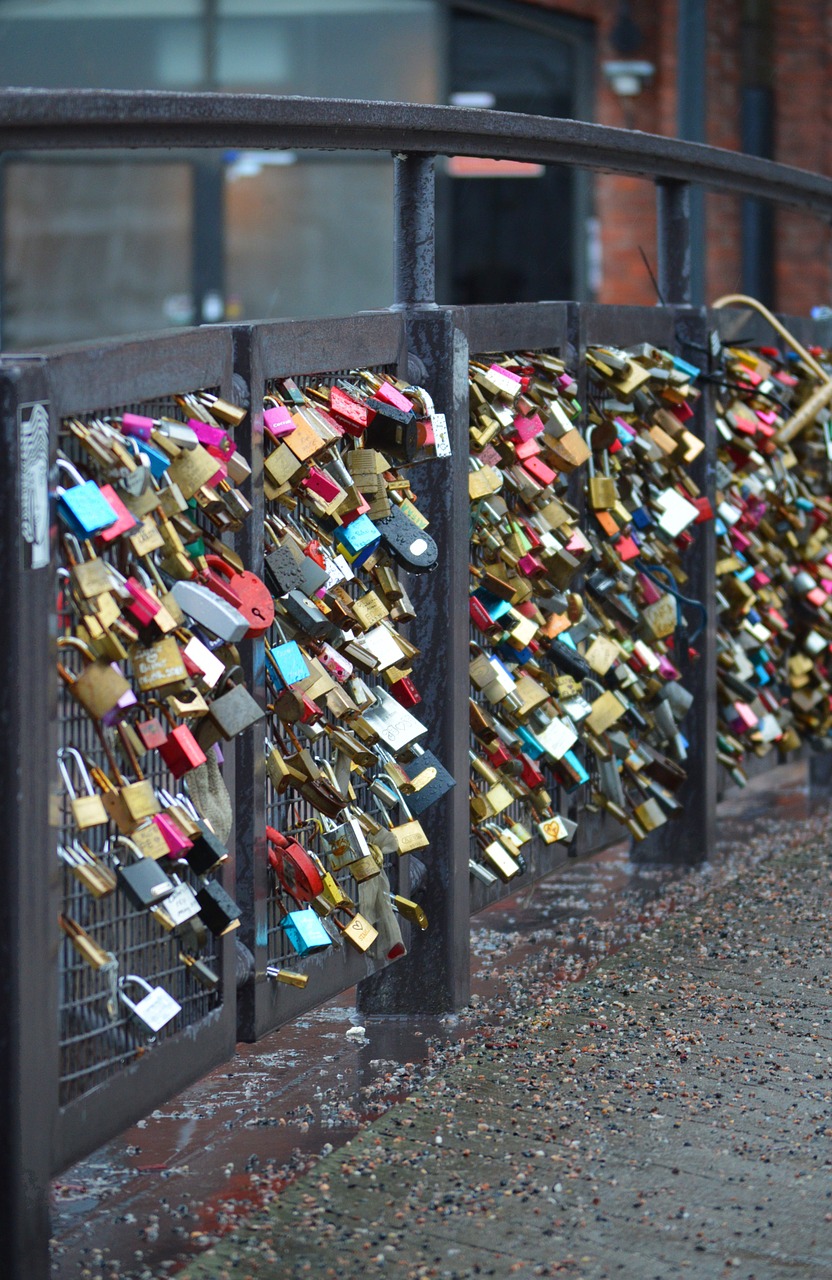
(414, 241)
(673, 227)
(46, 119)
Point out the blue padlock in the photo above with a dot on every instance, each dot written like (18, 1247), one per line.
(83, 508)
(156, 459)
(305, 932)
(357, 540)
(286, 663)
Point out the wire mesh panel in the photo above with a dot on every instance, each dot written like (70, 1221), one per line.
(521, 333)
(773, 476)
(294, 368)
(577, 801)
(114, 783)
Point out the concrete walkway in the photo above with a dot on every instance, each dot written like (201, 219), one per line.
(668, 1116)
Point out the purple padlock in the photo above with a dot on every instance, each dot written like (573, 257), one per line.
(127, 700)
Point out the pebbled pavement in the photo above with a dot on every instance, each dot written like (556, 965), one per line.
(667, 1116)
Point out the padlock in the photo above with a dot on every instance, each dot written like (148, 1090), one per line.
(178, 909)
(180, 750)
(231, 711)
(601, 489)
(210, 611)
(87, 809)
(143, 882)
(93, 874)
(155, 1009)
(82, 507)
(248, 593)
(100, 685)
(218, 909)
(200, 971)
(286, 663)
(293, 867)
(158, 665)
(305, 932)
(86, 946)
(359, 933)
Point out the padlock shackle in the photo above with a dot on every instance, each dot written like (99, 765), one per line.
(64, 464)
(165, 710)
(63, 769)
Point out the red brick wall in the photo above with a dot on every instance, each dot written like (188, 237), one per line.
(803, 137)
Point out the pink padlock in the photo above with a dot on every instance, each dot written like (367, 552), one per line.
(213, 436)
(389, 395)
(319, 483)
(649, 589)
(528, 428)
(142, 605)
(278, 421)
(136, 424)
(339, 667)
(175, 839)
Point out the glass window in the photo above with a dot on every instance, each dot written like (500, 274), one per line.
(94, 249)
(311, 238)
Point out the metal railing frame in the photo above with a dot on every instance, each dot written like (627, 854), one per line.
(435, 975)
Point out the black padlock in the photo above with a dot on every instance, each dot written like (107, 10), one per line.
(411, 547)
(217, 908)
(306, 615)
(435, 789)
(233, 711)
(143, 881)
(207, 851)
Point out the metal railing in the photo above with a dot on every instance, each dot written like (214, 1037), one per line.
(40, 1134)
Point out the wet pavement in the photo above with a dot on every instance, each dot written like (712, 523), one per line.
(242, 1143)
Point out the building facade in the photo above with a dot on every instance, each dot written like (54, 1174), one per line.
(119, 242)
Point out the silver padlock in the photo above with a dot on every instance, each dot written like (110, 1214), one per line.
(178, 909)
(210, 611)
(155, 1010)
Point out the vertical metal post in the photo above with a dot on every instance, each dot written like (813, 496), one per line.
(692, 838)
(208, 246)
(414, 242)
(673, 227)
(249, 782)
(29, 903)
(691, 61)
(435, 976)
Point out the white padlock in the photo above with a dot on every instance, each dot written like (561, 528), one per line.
(153, 1011)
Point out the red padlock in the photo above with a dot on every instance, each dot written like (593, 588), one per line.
(293, 867)
(250, 594)
(180, 750)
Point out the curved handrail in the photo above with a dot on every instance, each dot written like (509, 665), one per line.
(44, 119)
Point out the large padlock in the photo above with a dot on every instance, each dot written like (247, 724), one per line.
(294, 868)
(88, 808)
(144, 882)
(180, 750)
(231, 712)
(602, 491)
(83, 507)
(209, 610)
(248, 593)
(155, 1009)
(100, 686)
(305, 932)
(218, 909)
(179, 909)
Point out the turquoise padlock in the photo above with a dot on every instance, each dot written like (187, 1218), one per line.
(357, 540)
(305, 932)
(287, 663)
(82, 507)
